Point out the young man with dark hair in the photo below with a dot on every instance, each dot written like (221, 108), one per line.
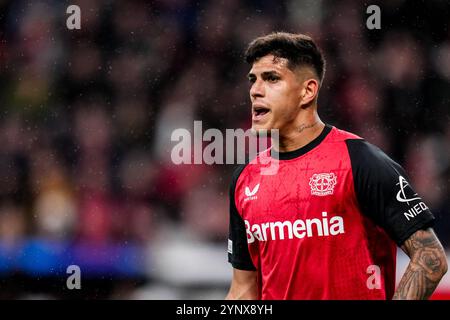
(326, 225)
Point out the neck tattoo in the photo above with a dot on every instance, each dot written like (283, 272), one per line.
(306, 126)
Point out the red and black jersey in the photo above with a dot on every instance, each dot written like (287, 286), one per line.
(332, 214)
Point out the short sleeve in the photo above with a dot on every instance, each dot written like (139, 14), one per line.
(238, 253)
(384, 192)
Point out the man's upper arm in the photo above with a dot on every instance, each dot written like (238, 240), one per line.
(244, 285)
(238, 253)
(384, 192)
(427, 266)
(421, 240)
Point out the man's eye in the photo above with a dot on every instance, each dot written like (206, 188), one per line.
(272, 78)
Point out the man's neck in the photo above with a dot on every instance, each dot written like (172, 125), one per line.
(300, 135)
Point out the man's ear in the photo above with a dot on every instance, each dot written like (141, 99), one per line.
(309, 91)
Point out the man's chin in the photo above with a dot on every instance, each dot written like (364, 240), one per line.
(261, 130)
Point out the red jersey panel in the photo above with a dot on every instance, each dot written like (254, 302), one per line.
(303, 229)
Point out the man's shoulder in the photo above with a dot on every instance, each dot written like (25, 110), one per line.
(360, 150)
(343, 135)
(237, 172)
(357, 143)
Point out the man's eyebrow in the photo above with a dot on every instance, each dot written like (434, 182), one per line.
(264, 74)
(270, 73)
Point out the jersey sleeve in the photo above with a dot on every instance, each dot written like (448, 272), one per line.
(238, 253)
(384, 192)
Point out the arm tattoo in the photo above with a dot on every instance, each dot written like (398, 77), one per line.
(427, 266)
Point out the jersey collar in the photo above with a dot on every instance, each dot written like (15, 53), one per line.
(299, 152)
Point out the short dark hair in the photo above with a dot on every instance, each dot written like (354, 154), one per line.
(298, 49)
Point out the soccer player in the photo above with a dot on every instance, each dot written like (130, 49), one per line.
(327, 224)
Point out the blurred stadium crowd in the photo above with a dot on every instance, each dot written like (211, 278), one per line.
(86, 118)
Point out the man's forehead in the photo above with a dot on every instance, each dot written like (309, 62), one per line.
(270, 62)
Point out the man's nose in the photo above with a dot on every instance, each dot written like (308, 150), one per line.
(257, 89)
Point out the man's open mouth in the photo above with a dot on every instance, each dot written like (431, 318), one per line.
(259, 112)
